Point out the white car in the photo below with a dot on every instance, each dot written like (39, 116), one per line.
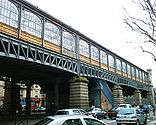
(130, 116)
(97, 113)
(70, 120)
(123, 106)
(71, 112)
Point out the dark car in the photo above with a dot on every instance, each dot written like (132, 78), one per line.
(146, 108)
(112, 113)
(97, 113)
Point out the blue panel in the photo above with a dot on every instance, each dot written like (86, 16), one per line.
(106, 91)
(95, 97)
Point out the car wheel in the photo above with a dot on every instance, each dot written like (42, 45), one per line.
(137, 123)
(110, 117)
(95, 116)
(105, 117)
(145, 122)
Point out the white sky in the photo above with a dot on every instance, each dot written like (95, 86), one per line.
(101, 20)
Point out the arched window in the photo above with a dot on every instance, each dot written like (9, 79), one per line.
(94, 53)
(140, 75)
(128, 69)
(133, 72)
(31, 23)
(124, 67)
(143, 76)
(146, 77)
(137, 74)
(52, 33)
(118, 64)
(111, 61)
(103, 57)
(84, 48)
(8, 13)
(68, 42)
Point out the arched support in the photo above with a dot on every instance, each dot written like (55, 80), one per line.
(79, 92)
(118, 95)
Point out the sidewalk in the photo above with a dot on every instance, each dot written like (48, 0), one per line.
(151, 116)
(21, 120)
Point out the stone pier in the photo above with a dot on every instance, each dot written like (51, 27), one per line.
(79, 93)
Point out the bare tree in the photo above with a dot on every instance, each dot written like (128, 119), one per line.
(144, 25)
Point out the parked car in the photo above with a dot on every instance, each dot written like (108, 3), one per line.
(71, 112)
(146, 108)
(70, 120)
(123, 106)
(130, 116)
(97, 113)
(112, 113)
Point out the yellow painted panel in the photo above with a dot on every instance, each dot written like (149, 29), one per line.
(31, 38)
(104, 66)
(52, 46)
(119, 72)
(96, 63)
(85, 59)
(111, 69)
(4, 28)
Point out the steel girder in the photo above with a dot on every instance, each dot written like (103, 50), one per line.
(15, 48)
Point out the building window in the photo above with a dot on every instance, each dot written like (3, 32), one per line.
(52, 33)
(111, 61)
(118, 64)
(94, 53)
(128, 69)
(140, 75)
(31, 23)
(36, 86)
(8, 13)
(143, 76)
(137, 74)
(84, 48)
(103, 57)
(68, 43)
(133, 72)
(124, 67)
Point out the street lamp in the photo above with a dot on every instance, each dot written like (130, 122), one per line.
(149, 53)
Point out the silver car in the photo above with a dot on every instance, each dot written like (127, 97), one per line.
(70, 120)
(130, 116)
(74, 111)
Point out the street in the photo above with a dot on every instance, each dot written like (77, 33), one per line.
(150, 121)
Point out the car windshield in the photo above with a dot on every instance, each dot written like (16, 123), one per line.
(126, 111)
(124, 106)
(45, 121)
(62, 113)
(89, 110)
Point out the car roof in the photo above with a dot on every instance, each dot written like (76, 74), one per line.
(69, 117)
(127, 108)
(61, 118)
(69, 109)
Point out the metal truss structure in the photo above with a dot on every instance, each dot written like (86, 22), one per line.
(15, 48)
